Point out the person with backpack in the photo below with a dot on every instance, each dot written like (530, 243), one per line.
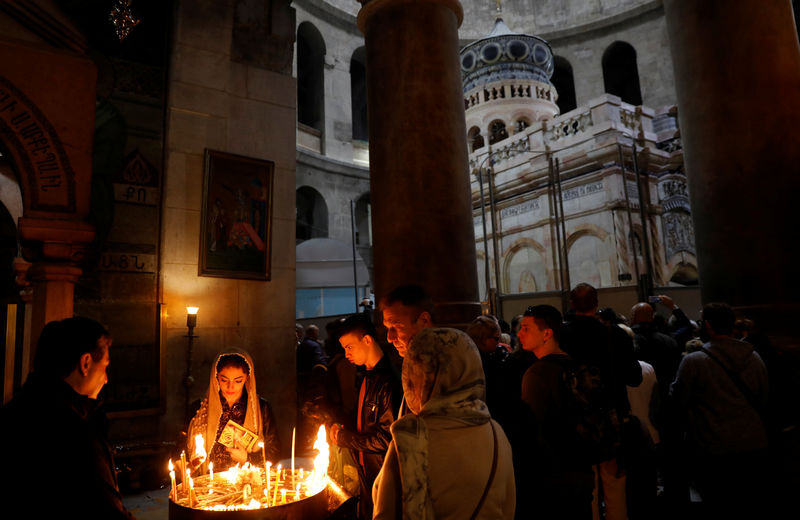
(561, 473)
(609, 351)
(721, 394)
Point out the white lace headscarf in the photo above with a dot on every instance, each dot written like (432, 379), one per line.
(207, 417)
(443, 378)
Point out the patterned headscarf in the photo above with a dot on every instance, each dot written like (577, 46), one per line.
(207, 417)
(442, 378)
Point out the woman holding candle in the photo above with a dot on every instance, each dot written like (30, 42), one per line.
(447, 459)
(232, 397)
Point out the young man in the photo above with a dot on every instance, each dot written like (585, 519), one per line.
(406, 311)
(379, 397)
(54, 422)
(562, 484)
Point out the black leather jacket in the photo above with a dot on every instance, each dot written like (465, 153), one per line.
(382, 397)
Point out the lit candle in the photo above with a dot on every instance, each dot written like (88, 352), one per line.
(266, 491)
(277, 485)
(210, 477)
(297, 492)
(188, 480)
(192, 496)
(283, 496)
(264, 460)
(294, 430)
(184, 485)
(174, 493)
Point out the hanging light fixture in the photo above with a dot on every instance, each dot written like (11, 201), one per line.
(122, 18)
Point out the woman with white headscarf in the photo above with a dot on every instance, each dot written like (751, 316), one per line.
(232, 397)
(447, 458)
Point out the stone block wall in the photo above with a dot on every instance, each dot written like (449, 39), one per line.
(241, 108)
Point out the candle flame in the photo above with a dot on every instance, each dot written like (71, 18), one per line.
(318, 478)
(200, 448)
(171, 466)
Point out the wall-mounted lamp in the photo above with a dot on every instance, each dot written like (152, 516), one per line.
(191, 318)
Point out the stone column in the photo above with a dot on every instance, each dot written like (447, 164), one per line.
(737, 76)
(420, 189)
(55, 247)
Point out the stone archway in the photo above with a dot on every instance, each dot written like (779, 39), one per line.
(47, 133)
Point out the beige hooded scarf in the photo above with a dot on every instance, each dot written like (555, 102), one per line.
(444, 390)
(206, 419)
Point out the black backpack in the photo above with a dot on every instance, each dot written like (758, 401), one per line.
(590, 409)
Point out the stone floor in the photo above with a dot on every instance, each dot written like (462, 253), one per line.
(149, 505)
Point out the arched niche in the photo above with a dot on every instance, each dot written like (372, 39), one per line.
(475, 139)
(310, 77)
(621, 73)
(497, 131)
(589, 259)
(564, 83)
(358, 94)
(524, 268)
(312, 214)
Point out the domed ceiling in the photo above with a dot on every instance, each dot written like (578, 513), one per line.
(537, 17)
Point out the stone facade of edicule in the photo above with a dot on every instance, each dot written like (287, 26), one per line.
(559, 207)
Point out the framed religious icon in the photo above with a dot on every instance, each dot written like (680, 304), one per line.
(235, 236)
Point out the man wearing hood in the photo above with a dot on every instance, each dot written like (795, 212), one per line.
(720, 391)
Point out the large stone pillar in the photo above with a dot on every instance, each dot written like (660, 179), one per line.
(420, 191)
(55, 247)
(737, 76)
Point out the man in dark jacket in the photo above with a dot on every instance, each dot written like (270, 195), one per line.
(587, 340)
(379, 397)
(54, 433)
(721, 391)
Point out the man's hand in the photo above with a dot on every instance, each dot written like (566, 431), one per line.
(667, 301)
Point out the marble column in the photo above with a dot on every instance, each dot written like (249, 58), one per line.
(420, 190)
(737, 77)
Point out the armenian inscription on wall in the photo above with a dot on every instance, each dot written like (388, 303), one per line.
(35, 145)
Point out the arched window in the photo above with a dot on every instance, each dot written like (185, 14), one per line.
(521, 124)
(621, 74)
(564, 82)
(310, 76)
(312, 214)
(475, 139)
(358, 94)
(497, 131)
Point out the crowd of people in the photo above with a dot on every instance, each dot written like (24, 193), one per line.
(585, 415)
